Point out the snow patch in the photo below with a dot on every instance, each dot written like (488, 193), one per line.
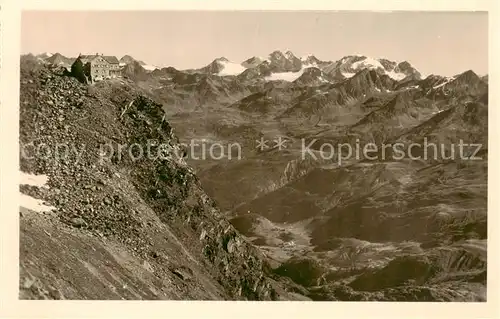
(398, 76)
(230, 68)
(448, 80)
(122, 64)
(369, 63)
(149, 67)
(412, 87)
(348, 74)
(284, 76)
(34, 204)
(322, 79)
(34, 180)
(310, 65)
(29, 202)
(287, 76)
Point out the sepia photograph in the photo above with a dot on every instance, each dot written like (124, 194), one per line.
(249, 156)
(253, 155)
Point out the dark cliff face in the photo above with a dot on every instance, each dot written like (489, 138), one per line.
(135, 71)
(150, 208)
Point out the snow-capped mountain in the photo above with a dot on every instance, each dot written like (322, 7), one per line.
(466, 83)
(348, 66)
(222, 67)
(311, 60)
(253, 61)
(286, 66)
(284, 62)
(230, 68)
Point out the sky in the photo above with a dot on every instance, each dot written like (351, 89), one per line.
(444, 43)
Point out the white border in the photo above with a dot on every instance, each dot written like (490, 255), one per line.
(10, 306)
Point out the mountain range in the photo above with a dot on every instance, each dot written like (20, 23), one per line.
(279, 66)
(279, 62)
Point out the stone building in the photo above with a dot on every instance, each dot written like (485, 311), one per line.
(100, 67)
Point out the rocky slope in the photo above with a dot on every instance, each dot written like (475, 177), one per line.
(122, 227)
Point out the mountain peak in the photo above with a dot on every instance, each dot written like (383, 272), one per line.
(221, 59)
(469, 73)
(404, 64)
(126, 57)
(129, 59)
(310, 59)
(468, 76)
(254, 61)
(254, 58)
(58, 59)
(276, 55)
(289, 54)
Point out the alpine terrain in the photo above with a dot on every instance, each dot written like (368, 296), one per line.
(280, 178)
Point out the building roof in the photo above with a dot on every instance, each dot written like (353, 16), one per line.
(109, 58)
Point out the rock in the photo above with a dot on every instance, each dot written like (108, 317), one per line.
(147, 266)
(203, 235)
(28, 282)
(183, 273)
(77, 222)
(303, 271)
(231, 246)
